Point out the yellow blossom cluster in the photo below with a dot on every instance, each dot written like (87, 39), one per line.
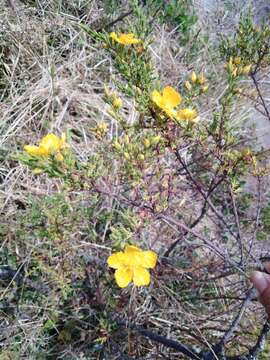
(125, 39)
(113, 99)
(132, 264)
(235, 67)
(100, 130)
(135, 150)
(197, 80)
(50, 145)
(168, 101)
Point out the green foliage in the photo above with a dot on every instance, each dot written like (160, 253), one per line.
(250, 43)
(180, 14)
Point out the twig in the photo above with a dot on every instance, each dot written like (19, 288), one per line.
(240, 240)
(112, 23)
(219, 348)
(184, 349)
(199, 218)
(206, 198)
(260, 96)
(209, 243)
(255, 351)
(258, 212)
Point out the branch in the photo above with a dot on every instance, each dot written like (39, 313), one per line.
(240, 241)
(260, 96)
(112, 23)
(209, 242)
(184, 349)
(255, 351)
(219, 348)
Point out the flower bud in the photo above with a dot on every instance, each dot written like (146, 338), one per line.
(126, 139)
(155, 140)
(117, 103)
(205, 88)
(147, 143)
(117, 146)
(234, 72)
(188, 85)
(237, 60)
(193, 77)
(201, 79)
(126, 156)
(246, 69)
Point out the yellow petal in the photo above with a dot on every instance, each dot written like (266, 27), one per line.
(187, 114)
(32, 150)
(133, 256)
(114, 36)
(170, 112)
(132, 249)
(157, 98)
(51, 143)
(171, 97)
(127, 39)
(116, 260)
(43, 151)
(36, 150)
(149, 259)
(141, 276)
(123, 276)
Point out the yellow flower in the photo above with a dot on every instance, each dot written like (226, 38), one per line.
(125, 39)
(100, 130)
(167, 100)
(187, 114)
(49, 145)
(131, 265)
(193, 77)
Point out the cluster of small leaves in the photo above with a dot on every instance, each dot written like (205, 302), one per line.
(250, 42)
